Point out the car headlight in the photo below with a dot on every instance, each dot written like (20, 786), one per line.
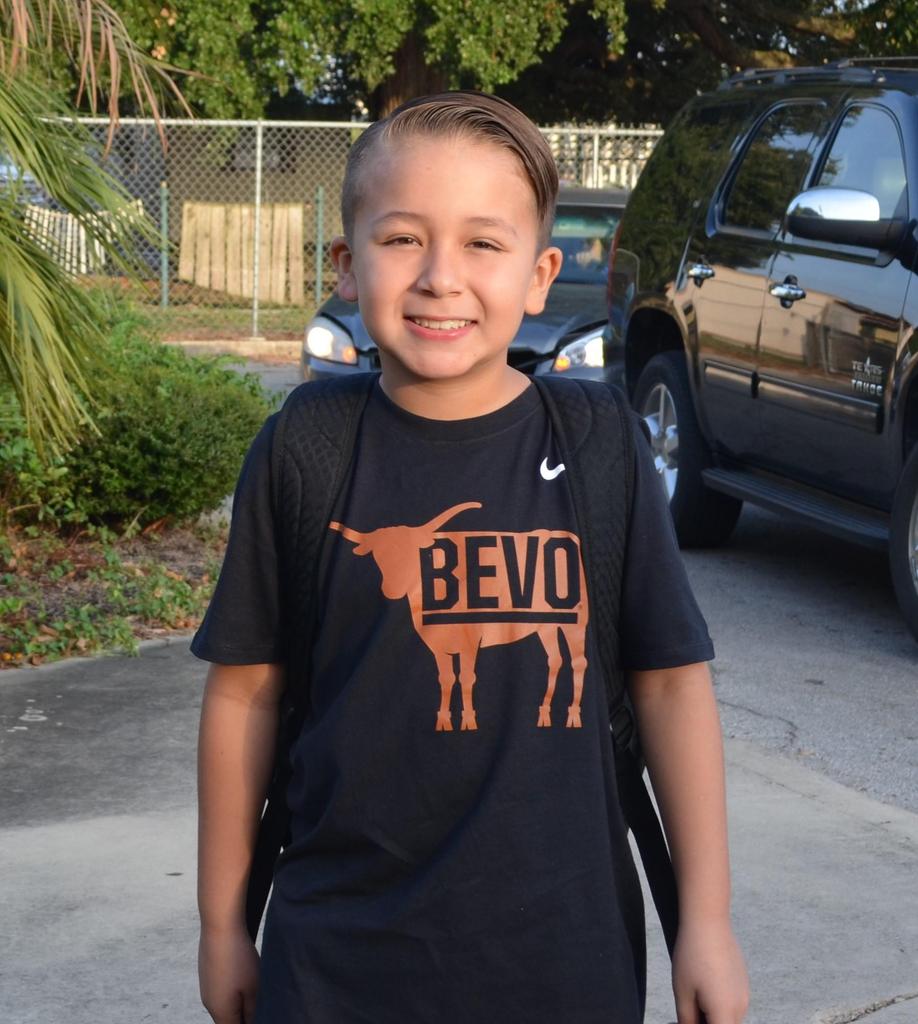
(327, 340)
(585, 351)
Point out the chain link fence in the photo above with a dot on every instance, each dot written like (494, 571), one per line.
(246, 211)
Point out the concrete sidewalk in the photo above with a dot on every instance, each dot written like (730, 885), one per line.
(97, 863)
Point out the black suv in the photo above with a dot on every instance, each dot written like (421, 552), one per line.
(763, 289)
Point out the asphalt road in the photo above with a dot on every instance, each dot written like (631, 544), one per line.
(278, 378)
(813, 659)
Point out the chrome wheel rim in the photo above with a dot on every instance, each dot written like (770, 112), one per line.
(913, 543)
(659, 413)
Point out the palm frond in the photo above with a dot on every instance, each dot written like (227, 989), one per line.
(48, 330)
(49, 327)
(47, 335)
(92, 34)
(61, 155)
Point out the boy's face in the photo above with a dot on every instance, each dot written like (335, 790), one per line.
(444, 258)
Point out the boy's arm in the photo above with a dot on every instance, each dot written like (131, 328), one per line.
(680, 735)
(235, 758)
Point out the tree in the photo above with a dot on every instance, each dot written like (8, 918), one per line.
(48, 326)
(888, 26)
(390, 50)
(671, 49)
(240, 51)
(560, 60)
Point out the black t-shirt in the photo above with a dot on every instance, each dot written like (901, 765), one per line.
(458, 851)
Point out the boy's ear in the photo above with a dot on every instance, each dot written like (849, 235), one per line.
(342, 260)
(547, 267)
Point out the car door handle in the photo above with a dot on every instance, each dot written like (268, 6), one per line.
(788, 292)
(700, 272)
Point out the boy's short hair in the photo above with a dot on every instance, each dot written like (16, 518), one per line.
(461, 114)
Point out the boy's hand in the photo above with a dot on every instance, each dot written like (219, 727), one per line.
(709, 976)
(228, 975)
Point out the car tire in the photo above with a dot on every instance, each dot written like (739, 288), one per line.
(702, 517)
(903, 542)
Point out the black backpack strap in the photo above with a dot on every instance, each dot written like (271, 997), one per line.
(594, 433)
(311, 454)
(590, 421)
(642, 819)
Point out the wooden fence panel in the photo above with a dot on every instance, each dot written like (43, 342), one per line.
(218, 219)
(246, 253)
(264, 254)
(217, 250)
(295, 249)
(234, 251)
(202, 246)
(186, 247)
(277, 291)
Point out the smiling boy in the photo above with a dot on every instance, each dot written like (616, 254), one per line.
(458, 854)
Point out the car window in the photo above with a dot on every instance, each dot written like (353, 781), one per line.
(866, 154)
(584, 235)
(689, 160)
(19, 183)
(773, 167)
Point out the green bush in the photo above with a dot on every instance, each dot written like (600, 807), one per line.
(30, 490)
(173, 428)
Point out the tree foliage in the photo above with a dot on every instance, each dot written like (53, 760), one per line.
(248, 52)
(580, 60)
(672, 49)
(241, 53)
(889, 26)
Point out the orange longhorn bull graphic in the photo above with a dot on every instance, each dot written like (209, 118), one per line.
(469, 590)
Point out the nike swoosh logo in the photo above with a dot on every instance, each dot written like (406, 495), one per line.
(550, 474)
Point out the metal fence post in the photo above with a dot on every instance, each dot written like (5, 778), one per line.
(163, 244)
(259, 139)
(320, 242)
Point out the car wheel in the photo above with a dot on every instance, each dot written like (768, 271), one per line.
(903, 542)
(703, 518)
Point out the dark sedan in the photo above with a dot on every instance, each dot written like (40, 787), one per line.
(570, 336)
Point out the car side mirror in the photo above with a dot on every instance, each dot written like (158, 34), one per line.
(846, 216)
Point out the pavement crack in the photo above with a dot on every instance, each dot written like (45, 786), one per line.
(792, 728)
(850, 1016)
